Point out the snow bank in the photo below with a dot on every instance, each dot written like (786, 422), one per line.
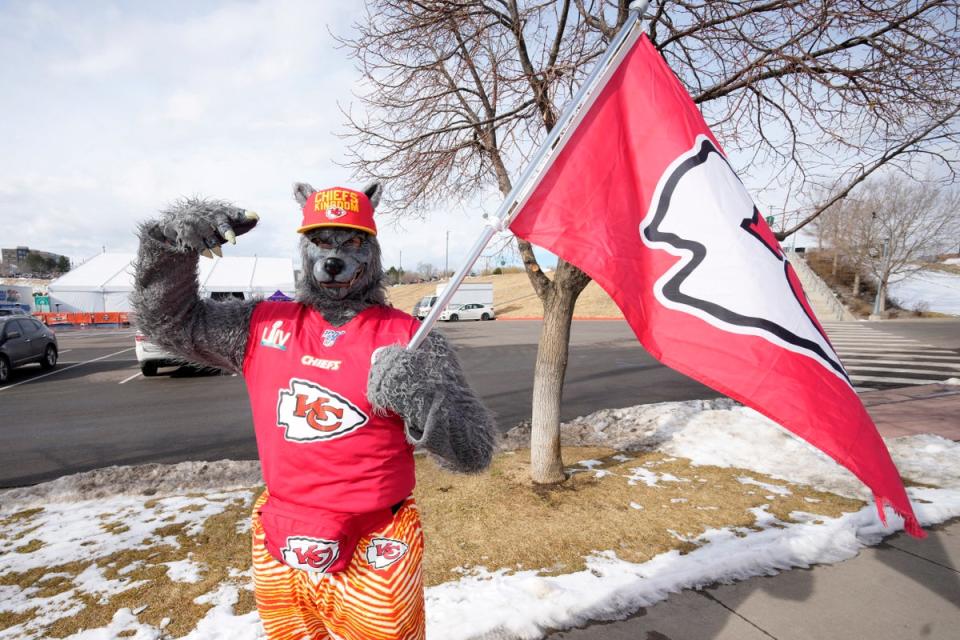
(501, 604)
(524, 605)
(638, 427)
(146, 479)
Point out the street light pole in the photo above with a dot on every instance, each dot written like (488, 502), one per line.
(446, 257)
(884, 255)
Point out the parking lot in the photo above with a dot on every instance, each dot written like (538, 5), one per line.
(95, 409)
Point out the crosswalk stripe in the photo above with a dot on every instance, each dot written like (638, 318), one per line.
(917, 362)
(895, 350)
(864, 367)
(889, 380)
(890, 354)
(876, 359)
(872, 341)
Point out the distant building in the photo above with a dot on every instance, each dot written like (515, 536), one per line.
(17, 261)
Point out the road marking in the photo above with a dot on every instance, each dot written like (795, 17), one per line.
(923, 355)
(893, 343)
(62, 351)
(905, 381)
(138, 373)
(858, 349)
(867, 367)
(919, 363)
(79, 364)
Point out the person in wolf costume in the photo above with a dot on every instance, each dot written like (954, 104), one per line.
(338, 405)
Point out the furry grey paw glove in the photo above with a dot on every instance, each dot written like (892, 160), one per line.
(200, 225)
(427, 388)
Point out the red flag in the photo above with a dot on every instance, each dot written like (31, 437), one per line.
(642, 199)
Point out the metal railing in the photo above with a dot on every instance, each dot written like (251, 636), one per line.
(815, 286)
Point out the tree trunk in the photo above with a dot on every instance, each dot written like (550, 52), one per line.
(836, 261)
(856, 284)
(546, 463)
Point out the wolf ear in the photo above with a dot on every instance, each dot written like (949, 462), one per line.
(302, 192)
(374, 190)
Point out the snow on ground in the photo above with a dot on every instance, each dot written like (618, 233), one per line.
(931, 290)
(504, 604)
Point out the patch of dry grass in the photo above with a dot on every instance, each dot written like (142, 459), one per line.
(219, 549)
(501, 520)
(945, 268)
(496, 520)
(513, 296)
(20, 516)
(30, 547)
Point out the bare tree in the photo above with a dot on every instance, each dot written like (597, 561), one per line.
(817, 92)
(847, 227)
(427, 271)
(911, 222)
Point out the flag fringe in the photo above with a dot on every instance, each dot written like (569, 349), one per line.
(910, 523)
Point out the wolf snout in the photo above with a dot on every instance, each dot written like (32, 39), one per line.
(333, 266)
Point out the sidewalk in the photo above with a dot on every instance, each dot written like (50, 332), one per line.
(929, 408)
(902, 589)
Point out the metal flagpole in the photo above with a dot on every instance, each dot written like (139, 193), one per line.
(520, 190)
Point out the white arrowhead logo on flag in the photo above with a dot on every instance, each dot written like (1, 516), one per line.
(702, 213)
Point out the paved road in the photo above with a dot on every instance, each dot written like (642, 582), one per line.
(95, 410)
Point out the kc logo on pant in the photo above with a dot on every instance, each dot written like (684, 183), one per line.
(310, 554)
(383, 552)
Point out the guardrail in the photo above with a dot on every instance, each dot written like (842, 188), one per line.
(814, 285)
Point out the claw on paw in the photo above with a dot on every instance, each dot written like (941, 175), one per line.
(251, 215)
(217, 251)
(230, 237)
(206, 253)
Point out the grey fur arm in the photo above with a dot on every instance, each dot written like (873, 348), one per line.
(442, 413)
(166, 297)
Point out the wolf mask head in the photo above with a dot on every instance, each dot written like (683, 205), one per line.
(342, 271)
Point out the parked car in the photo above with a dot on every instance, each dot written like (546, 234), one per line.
(24, 340)
(151, 357)
(472, 311)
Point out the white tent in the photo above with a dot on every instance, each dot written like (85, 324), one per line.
(104, 283)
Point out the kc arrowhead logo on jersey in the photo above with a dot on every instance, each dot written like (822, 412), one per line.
(703, 213)
(310, 554)
(309, 413)
(383, 552)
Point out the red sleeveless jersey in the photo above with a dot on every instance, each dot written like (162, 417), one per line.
(332, 466)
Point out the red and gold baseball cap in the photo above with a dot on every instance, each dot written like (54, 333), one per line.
(338, 207)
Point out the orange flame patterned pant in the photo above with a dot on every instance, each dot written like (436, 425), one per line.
(378, 597)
